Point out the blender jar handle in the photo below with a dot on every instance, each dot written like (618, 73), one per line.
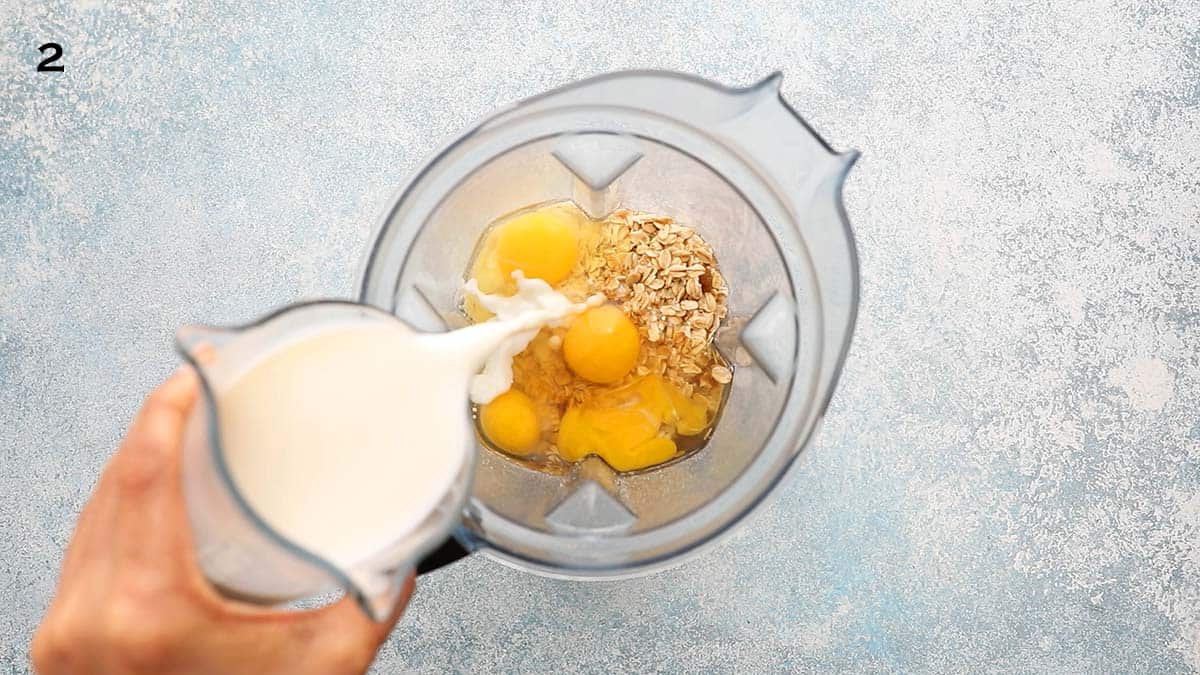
(450, 551)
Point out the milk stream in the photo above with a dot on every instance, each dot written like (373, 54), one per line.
(345, 440)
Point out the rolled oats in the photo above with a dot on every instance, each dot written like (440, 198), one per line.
(669, 284)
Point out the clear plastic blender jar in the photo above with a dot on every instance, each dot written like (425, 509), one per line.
(744, 170)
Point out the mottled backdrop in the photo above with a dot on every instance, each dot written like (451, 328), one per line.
(1009, 477)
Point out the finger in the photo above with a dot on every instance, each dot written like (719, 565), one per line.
(143, 479)
(338, 638)
(149, 456)
(88, 541)
(204, 353)
(159, 424)
(92, 543)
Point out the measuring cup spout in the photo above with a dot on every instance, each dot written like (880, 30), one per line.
(198, 343)
(378, 592)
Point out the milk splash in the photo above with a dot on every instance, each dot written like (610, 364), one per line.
(534, 305)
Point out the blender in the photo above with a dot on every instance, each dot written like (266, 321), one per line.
(746, 172)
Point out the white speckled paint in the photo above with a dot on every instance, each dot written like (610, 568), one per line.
(1009, 477)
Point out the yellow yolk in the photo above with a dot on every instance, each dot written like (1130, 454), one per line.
(625, 427)
(690, 418)
(601, 345)
(510, 422)
(540, 244)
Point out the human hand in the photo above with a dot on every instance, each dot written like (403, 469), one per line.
(132, 599)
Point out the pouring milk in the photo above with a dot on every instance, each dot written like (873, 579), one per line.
(345, 440)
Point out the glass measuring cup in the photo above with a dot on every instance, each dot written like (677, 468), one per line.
(239, 552)
(743, 169)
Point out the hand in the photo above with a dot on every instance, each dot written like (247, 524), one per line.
(131, 597)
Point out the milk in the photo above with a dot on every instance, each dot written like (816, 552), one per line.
(348, 437)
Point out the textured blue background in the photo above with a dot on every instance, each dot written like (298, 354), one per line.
(1009, 478)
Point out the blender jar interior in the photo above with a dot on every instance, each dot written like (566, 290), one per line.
(593, 521)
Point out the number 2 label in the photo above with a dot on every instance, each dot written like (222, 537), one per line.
(55, 51)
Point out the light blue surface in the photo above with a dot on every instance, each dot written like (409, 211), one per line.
(1009, 477)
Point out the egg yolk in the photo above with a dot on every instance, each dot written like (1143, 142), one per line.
(510, 422)
(625, 426)
(540, 244)
(626, 439)
(690, 418)
(601, 345)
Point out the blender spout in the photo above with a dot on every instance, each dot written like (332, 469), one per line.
(777, 138)
(769, 84)
(848, 158)
(834, 177)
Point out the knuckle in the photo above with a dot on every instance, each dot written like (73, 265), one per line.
(158, 403)
(138, 636)
(349, 656)
(149, 434)
(139, 469)
(157, 426)
(47, 652)
(57, 644)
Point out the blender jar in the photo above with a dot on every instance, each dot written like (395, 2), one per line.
(741, 168)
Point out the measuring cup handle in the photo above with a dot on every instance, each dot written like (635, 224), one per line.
(448, 552)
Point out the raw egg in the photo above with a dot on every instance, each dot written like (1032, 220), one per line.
(629, 427)
(540, 244)
(601, 345)
(510, 422)
(627, 439)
